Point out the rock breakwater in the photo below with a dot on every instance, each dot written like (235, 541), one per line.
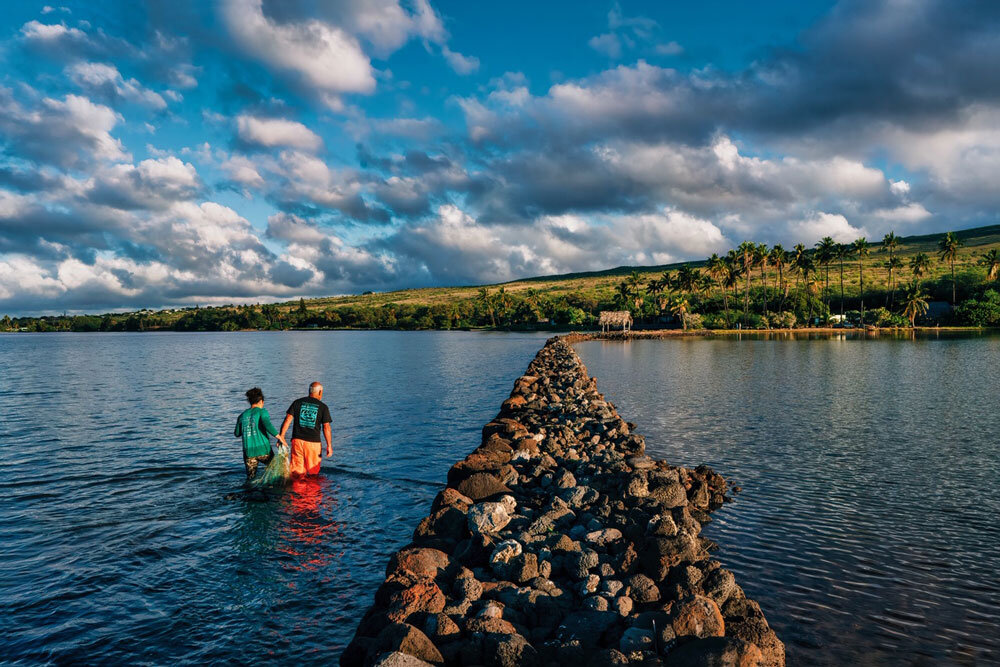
(558, 541)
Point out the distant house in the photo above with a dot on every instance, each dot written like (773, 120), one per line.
(615, 318)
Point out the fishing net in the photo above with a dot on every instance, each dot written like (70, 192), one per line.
(277, 472)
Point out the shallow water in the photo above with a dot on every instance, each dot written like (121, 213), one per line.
(117, 543)
(869, 523)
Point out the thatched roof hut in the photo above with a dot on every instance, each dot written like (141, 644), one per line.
(616, 319)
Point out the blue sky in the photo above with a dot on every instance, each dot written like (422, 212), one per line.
(165, 153)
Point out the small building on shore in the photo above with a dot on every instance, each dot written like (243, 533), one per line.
(615, 319)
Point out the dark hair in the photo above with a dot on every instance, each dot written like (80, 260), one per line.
(254, 395)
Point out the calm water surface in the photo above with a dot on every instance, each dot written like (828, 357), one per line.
(117, 543)
(869, 523)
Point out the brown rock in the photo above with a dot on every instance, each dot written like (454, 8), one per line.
(424, 596)
(477, 462)
(490, 625)
(716, 652)
(697, 616)
(440, 628)
(407, 639)
(420, 560)
(643, 589)
(450, 497)
(509, 650)
(481, 486)
(447, 524)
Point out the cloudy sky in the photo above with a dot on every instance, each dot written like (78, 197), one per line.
(179, 152)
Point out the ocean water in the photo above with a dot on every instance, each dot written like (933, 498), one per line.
(116, 542)
(868, 527)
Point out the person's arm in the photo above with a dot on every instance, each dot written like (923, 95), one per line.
(238, 431)
(328, 432)
(268, 427)
(284, 427)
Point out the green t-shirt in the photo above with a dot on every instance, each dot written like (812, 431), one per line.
(254, 425)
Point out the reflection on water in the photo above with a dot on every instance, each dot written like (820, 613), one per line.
(118, 544)
(867, 527)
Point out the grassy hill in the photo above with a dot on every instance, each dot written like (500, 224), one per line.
(601, 285)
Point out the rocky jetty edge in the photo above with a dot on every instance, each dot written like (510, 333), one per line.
(558, 541)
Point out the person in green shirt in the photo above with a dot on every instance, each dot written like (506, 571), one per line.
(254, 426)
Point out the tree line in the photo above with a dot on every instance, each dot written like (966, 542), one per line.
(752, 286)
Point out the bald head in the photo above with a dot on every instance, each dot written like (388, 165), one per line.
(316, 389)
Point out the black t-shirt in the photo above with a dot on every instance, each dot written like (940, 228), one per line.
(309, 415)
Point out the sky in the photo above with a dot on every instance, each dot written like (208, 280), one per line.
(173, 152)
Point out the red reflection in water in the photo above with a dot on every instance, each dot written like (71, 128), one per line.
(307, 530)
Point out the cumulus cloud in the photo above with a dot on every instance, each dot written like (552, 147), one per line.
(272, 132)
(153, 183)
(103, 80)
(66, 132)
(320, 54)
(818, 225)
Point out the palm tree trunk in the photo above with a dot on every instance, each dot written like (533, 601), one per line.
(841, 287)
(861, 273)
(953, 282)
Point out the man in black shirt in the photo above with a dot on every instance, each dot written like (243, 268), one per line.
(310, 415)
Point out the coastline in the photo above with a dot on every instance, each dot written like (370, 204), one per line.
(558, 541)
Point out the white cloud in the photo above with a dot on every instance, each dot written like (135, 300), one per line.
(461, 64)
(49, 32)
(815, 227)
(271, 132)
(68, 132)
(899, 188)
(106, 79)
(907, 213)
(322, 55)
(243, 171)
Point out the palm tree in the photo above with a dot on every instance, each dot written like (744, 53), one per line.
(893, 264)
(920, 264)
(761, 257)
(914, 303)
(486, 300)
(624, 294)
(655, 288)
(991, 260)
(715, 267)
(798, 252)
(679, 307)
(779, 257)
(806, 267)
(730, 279)
(861, 248)
(746, 251)
(948, 251)
(843, 253)
(826, 251)
(687, 278)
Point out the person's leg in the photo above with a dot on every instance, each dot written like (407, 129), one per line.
(251, 464)
(312, 452)
(296, 464)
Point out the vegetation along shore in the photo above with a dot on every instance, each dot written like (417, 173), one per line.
(558, 541)
(940, 279)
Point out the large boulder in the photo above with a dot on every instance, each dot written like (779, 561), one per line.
(716, 652)
(697, 616)
(490, 517)
(420, 560)
(482, 486)
(404, 638)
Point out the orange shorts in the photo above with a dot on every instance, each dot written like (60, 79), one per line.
(305, 457)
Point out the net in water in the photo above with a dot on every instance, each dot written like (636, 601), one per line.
(277, 472)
